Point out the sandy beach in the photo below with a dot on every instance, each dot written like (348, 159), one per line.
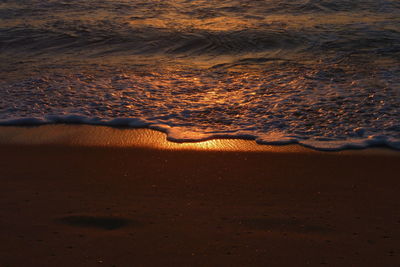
(99, 196)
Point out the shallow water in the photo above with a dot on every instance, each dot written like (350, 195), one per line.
(325, 74)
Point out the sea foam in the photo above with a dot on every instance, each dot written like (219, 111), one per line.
(290, 106)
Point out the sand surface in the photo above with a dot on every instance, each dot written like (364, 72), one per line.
(65, 201)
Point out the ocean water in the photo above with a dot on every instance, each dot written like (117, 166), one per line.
(321, 73)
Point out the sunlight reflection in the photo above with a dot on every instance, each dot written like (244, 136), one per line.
(215, 24)
(98, 136)
(228, 23)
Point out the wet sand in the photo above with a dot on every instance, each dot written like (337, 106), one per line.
(91, 196)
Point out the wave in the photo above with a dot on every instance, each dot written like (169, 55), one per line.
(107, 39)
(189, 30)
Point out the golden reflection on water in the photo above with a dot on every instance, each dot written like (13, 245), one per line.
(229, 23)
(215, 24)
(98, 136)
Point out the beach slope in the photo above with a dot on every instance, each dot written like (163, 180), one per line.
(69, 202)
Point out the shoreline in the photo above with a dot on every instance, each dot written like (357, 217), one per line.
(107, 136)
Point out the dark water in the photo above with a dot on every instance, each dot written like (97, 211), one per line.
(322, 73)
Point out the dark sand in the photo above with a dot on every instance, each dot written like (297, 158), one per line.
(76, 196)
